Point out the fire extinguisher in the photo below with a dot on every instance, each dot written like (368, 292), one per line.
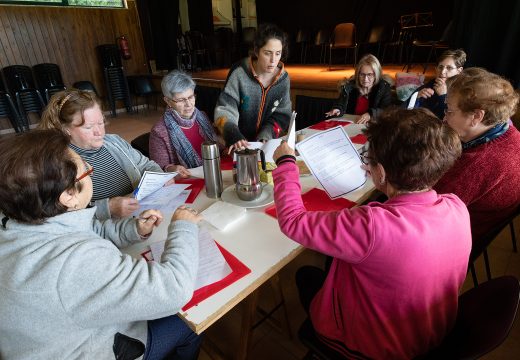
(122, 42)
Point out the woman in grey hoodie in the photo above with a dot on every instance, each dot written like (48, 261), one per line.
(67, 290)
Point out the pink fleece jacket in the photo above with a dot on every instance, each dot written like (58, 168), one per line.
(392, 289)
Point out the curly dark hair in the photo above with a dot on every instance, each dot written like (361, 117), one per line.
(35, 168)
(413, 146)
(266, 32)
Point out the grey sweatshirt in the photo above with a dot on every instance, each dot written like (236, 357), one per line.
(66, 291)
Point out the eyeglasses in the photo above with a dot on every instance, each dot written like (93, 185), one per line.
(185, 101)
(365, 159)
(447, 67)
(368, 76)
(88, 170)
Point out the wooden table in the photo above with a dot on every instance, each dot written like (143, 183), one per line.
(257, 241)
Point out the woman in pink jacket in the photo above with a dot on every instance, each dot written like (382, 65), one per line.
(392, 288)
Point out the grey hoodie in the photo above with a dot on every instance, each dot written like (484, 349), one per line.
(65, 291)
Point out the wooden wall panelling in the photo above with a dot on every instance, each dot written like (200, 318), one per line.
(30, 35)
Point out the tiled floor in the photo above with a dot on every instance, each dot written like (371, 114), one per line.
(273, 344)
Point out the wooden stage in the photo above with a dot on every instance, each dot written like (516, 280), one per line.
(310, 80)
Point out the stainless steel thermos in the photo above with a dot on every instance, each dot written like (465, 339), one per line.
(211, 167)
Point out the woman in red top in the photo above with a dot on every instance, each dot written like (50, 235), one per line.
(364, 94)
(176, 139)
(479, 107)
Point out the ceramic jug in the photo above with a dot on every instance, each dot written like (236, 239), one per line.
(248, 185)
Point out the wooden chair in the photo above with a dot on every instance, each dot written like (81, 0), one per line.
(141, 142)
(343, 37)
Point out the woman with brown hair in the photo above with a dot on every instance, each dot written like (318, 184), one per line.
(392, 288)
(486, 177)
(255, 104)
(67, 290)
(365, 93)
(119, 166)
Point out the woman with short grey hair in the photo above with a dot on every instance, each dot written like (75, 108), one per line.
(176, 139)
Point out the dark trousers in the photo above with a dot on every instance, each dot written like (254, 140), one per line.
(171, 338)
(309, 280)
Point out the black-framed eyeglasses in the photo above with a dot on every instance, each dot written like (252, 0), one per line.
(185, 101)
(89, 169)
(365, 159)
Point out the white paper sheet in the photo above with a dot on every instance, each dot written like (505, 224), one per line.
(291, 133)
(222, 214)
(166, 199)
(212, 265)
(151, 182)
(412, 101)
(333, 160)
(268, 147)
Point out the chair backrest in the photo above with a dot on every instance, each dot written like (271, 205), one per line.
(85, 85)
(141, 142)
(344, 35)
(302, 36)
(18, 78)
(311, 110)
(485, 316)
(141, 85)
(322, 37)
(376, 34)
(48, 76)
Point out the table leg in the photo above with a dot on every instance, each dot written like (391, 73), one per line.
(246, 330)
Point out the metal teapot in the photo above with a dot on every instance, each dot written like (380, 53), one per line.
(248, 185)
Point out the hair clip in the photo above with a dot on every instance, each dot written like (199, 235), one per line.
(63, 102)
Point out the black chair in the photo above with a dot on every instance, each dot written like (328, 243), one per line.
(322, 41)
(85, 85)
(303, 38)
(375, 39)
(207, 97)
(311, 110)
(117, 88)
(199, 51)
(485, 316)
(20, 82)
(480, 244)
(141, 142)
(8, 110)
(49, 79)
(142, 86)
(433, 45)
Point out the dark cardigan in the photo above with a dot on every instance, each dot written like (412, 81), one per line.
(379, 97)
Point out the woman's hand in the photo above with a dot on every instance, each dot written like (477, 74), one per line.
(333, 112)
(238, 145)
(184, 212)
(283, 149)
(363, 119)
(122, 206)
(440, 86)
(425, 93)
(147, 220)
(181, 170)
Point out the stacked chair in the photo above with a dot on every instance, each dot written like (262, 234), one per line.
(49, 79)
(114, 75)
(20, 82)
(8, 110)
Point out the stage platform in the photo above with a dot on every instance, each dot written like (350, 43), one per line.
(310, 80)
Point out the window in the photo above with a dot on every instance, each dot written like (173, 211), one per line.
(77, 3)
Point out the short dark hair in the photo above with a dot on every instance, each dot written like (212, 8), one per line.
(266, 32)
(35, 168)
(458, 56)
(414, 147)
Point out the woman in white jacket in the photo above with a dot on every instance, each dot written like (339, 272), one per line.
(67, 290)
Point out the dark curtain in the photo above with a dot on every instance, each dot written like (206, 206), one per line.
(201, 16)
(489, 32)
(159, 24)
(313, 15)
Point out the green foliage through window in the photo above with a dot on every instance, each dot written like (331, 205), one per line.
(78, 3)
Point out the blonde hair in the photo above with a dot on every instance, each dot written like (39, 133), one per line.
(64, 105)
(371, 61)
(478, 88)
